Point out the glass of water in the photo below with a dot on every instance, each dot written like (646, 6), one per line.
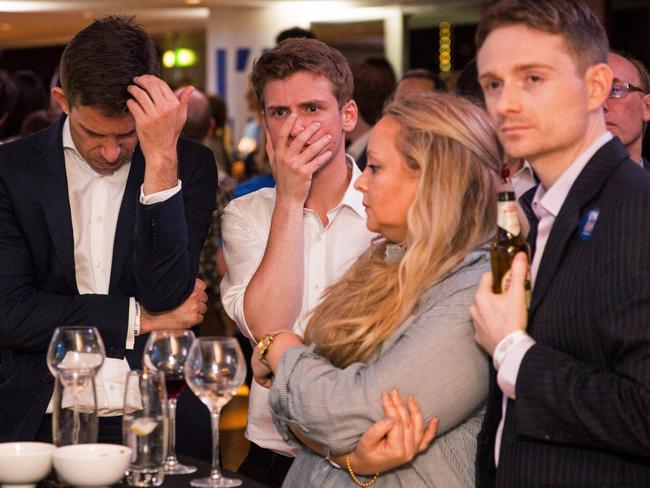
(74, 409)
(144, 427)
(74, 357)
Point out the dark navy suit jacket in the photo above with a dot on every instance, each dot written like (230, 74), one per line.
(582, 411)
(155, 259)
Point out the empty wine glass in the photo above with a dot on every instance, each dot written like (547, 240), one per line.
(74, 357)
(166, 351)
(77, 348)
(214, 370)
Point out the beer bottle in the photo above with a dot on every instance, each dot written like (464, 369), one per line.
(507, 243)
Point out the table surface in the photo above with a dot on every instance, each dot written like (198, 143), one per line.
(175, 481)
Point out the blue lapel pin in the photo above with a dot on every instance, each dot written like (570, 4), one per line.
(587, 223)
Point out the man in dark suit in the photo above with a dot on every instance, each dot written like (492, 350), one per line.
(102, 218)
(627, 110)
(573, 371)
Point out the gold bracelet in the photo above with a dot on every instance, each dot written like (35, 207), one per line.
(264, 345)
(357, 481)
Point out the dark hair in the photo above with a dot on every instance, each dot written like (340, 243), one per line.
(310, 55)
(373, 85)
(8, 93)
(467, 85)
(219, 110)
(426, 74)
(294, 33)
(35, 121)
(584, 36)
(101, 61)
(30, 96)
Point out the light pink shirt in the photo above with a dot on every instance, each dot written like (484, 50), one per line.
(546, 205)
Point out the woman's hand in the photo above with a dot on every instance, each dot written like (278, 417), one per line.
(394, 440)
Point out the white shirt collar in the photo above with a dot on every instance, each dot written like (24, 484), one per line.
(553, 198)
(352, 197)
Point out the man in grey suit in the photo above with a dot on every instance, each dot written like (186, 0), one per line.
(570, 403)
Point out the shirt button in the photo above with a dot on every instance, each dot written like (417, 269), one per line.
(98, 264)
(99, 220)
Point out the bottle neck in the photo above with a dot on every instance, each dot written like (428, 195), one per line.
(508, 215)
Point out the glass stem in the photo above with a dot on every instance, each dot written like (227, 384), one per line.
(171, 454)
(215, 470)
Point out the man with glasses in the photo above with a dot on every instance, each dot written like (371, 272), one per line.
(627, 110)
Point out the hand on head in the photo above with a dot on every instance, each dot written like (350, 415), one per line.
(159, 117)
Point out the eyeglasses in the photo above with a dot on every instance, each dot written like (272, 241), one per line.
(620, 90)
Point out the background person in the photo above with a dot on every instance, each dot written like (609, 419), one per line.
(627, 110)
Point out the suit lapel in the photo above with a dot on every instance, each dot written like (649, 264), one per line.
(123, 244)
(585, 188)
(52, 184)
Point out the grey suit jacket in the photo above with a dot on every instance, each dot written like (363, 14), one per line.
(432, 356)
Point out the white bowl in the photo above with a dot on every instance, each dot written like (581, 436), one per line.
(91, 464)
(23, 464)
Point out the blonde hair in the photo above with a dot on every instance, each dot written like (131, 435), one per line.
(451, 143)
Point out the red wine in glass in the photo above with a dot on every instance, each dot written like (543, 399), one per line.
(174, 385)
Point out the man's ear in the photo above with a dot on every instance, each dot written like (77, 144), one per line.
(599, 83)
(646, 107)
(349, 115)
(59, 97)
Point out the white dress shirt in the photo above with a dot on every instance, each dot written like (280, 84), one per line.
(95, 202)
(547, 204)
(328, 252)
(523, 179)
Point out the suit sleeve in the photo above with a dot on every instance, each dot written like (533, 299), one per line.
(29, 314)
(435, 358)
(169, 235)
(607, 406)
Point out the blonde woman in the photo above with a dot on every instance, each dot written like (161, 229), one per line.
(399, 318)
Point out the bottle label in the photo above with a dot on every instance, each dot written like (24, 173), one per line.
(508, 217)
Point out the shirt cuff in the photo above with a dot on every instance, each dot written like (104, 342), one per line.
(160, 196)
(133, 316)
(507, 359)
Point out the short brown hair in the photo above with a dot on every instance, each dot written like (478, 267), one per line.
(293, 55)
(584, 35)
(100, 62)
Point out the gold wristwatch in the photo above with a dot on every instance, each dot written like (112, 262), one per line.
(265, 344)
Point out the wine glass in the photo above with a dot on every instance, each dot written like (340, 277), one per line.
(166, 351)
(74, 356)
(214, 370)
